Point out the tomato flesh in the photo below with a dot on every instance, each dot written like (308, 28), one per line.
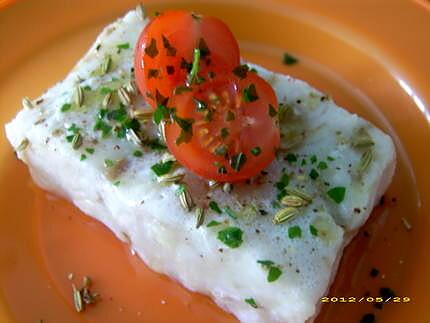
(234, 128)
(164, 52)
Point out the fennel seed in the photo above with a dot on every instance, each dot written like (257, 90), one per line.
(361, 139)
(123, 96)
(162, 131)
(86, 281)
(23, 145)
(78, 96)
(294, 201)
(27, 104)
(170, 179)
(107, 62)
(227, 187)
(365, 161)
(132, 136)
(301, 194)
(131, 87)
(186, 199)
(77, 141)
(285, 215)
(200, 214)
(77, 299)
(107, 100)
(142, 115)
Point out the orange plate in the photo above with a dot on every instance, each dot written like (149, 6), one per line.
(370, 57)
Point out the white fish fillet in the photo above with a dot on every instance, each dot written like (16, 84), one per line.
(149, 216)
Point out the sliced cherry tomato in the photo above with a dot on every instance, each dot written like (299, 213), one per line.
(225, 129)
(164, 52)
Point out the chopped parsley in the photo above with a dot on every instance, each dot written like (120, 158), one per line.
(237, 161)
(241, 71)
(337, 194)
(90, 150)
(224, 133)
(330, 158)
(314, 174)
(291, 158)
(108, 163)
(214, 206)
(313, 230)
(256, 151)
(105, 90)
(162, 112)
(213, 223)
(272, 111)
(162, 168)
(294, 232)
(66, 107)
(274, 272)
(83, 157)
(231, 236)
(283, 182)
(152, 50)
(192, 76)
(123, 46)
(137, 153)
(250, 93)
(200, 105)
(230, 212)
(288, 59)
(186, 126)
(313, 159)
(322, 165)
(251, 302)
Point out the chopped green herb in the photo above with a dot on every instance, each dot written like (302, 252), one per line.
(330, 158)
(105, 90)
(102, 126)
(231, 236)
(313, 159)
(237, 161)
(251, 302)
(171, 51)
(289, 59)
(181, 189)
(186, 126)
(162, 168)
(314, 174)
(294, 232)
(154, 144)
(230, 212)
(214, 206)
(192, 76)
(123, 46)
(274, 274)
(303, 162)
(182, 89)
(337, 194)
(283, 182)
(256, 151)
(90, 150)
(162, 112)
(250, 93)
(213, 223)
(66, 107)
(313, 230)
(152, 50)
(117, 183)
(241, 71)
(322, 165)
(272, 111)
(230, 116)
(266, 263)
(87, 88)
(224, 133)
(108, 163)
(221, 150)
(291, 158)
(137, 153)
(83, 157)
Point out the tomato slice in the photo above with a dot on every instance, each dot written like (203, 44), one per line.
(164, 52)
(226, 129)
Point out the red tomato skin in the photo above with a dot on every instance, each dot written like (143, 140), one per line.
(183, 32)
